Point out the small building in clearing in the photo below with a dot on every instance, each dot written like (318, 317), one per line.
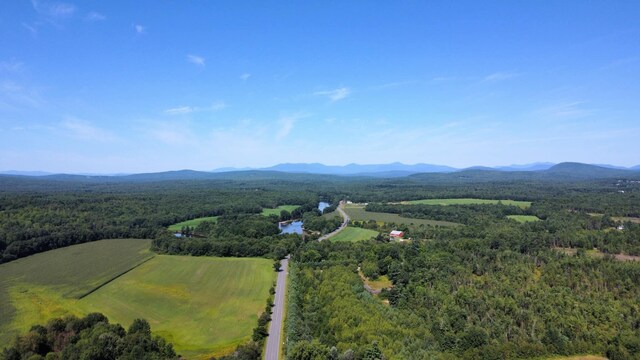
(396, 234)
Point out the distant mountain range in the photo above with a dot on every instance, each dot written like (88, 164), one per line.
(392, 170)
(399, 169)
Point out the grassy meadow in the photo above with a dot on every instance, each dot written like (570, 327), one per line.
(192, 223)
(625, 219)
(358, 213)
(205, 306)
(66, 274)
(353, 234)
(523, 218)
(276, 211)
(468, 201)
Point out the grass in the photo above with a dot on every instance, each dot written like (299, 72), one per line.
(205, 306)
(597, 254)
(576, 357)
(467, 201)
(523, 218)
(625, 219)
(353, 234)
(276, 211)
(331, 215)
(192, 223)
(382, 282)
(357, 213)
(62, 275)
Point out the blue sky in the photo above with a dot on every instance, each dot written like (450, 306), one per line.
(107, 86)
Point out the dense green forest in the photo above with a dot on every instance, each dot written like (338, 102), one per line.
(90, 337)
(492, 288)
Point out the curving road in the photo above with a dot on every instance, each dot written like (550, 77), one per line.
(274, 341)
(345, 222)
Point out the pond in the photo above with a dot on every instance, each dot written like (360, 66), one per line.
(322, 205)
(294, 227)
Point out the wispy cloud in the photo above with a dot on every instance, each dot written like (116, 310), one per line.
(218, 105)
(245, 76)
(573, 109)
(139, 29)
(32, 29)
(169, 136)
(620, 63)
(183, 110)
(500, 76)
(335, 95)
(53, 9)
(94, 16)
(169, 132)
(84, 130)
(14, 96)
(11, 66)
(195, 59)
(394, 84)
(286, 124)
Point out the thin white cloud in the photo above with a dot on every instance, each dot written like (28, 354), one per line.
(11, 66)
(500, 76)
(181, 110)
(195, 59)
(245, 76)
(83, 130)
(335, 95)
(169, 136)
(286, 124)
(394, 84)
(53, 9)
(620, 63)
(139, 29)
(32, 29)
(14, 96)
(573, 109)
(172, 133)
(94, 16)
(218, 105)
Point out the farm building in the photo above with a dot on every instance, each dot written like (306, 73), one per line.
(396, 234)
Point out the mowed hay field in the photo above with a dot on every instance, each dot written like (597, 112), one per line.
(353, 234)
(276, 211)
(357, 213)
(205, 306)
(65, 274)
(468, 201)
(191, 223)
(523, 218)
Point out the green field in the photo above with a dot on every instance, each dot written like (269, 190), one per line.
(353, 234)
(68, 272)
(192, 223)
(625, 219)
(357, 213)
(523, 218)
(205, 306)
(276, 211)
(468, 201)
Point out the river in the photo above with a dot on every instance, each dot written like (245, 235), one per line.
(295, 227)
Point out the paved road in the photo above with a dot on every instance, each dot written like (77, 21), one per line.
(274, 341)
(345, 221)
